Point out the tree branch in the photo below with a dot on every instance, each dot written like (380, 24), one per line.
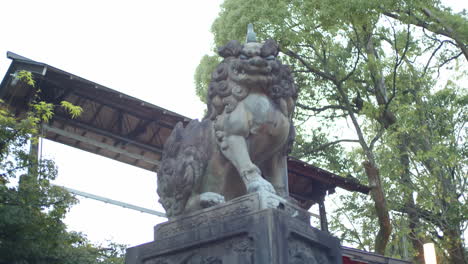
(321, 109)
(307, 65)
(441, 29)
(326, 145)
(377, 137)
(449, 59)
(431, 217)
(432, 55)
(354, 68)
(398, 62)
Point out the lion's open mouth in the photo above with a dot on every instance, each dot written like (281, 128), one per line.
(244, 70)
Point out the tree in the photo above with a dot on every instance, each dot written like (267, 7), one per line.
(431, 149)
(362, 63)
(31, 208)
(424, 170)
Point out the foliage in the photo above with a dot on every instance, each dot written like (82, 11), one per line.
(203, 75)
(435, 138)
(84, 252)
(26, 77)
(73, 110)
(437, 147)
(31, 208)
(373, 66)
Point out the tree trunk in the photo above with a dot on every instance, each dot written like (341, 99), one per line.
(414, 237)
(372, 171)
(378, 196)
(413, 216)
(373, 175)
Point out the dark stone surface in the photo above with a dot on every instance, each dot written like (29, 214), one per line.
(241, 145)
(250, 229)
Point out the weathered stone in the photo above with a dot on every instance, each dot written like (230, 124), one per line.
(241, 145)
(247, 204)
(256, 228)
(223, 181)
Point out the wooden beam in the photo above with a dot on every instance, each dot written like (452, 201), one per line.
(323, 216)
(125, 108)
(102, 132)
(99, 144)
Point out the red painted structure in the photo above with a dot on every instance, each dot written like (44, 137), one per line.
(347, 260)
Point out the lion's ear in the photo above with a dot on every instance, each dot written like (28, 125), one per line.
(232, 49)
(269, 48)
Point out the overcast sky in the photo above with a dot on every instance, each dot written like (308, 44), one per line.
(146, 49)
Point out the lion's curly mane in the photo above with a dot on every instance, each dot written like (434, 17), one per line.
(224, 93)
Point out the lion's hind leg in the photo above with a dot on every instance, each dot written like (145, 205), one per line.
(204, 200)
(208, 199)
(275, 171)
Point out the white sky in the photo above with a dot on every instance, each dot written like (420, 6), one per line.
(147, 49)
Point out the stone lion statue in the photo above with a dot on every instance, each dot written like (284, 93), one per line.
(242, 143)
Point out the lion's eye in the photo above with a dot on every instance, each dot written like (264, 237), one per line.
(243, 57)
(271, 57)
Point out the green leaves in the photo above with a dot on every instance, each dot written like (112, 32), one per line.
(73, 110)
(26, 77)
(31, 208)
(370, 69)
(203, 75)
(43, 111)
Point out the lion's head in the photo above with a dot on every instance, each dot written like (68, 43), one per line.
(246, 68)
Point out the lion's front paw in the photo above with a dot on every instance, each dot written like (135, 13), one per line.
(259, 185)
(209, 199)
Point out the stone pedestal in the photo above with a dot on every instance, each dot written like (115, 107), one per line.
(256, 228)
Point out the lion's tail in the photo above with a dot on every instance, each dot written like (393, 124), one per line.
(184, 160)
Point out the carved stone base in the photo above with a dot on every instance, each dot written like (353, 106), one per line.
(256, 228)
